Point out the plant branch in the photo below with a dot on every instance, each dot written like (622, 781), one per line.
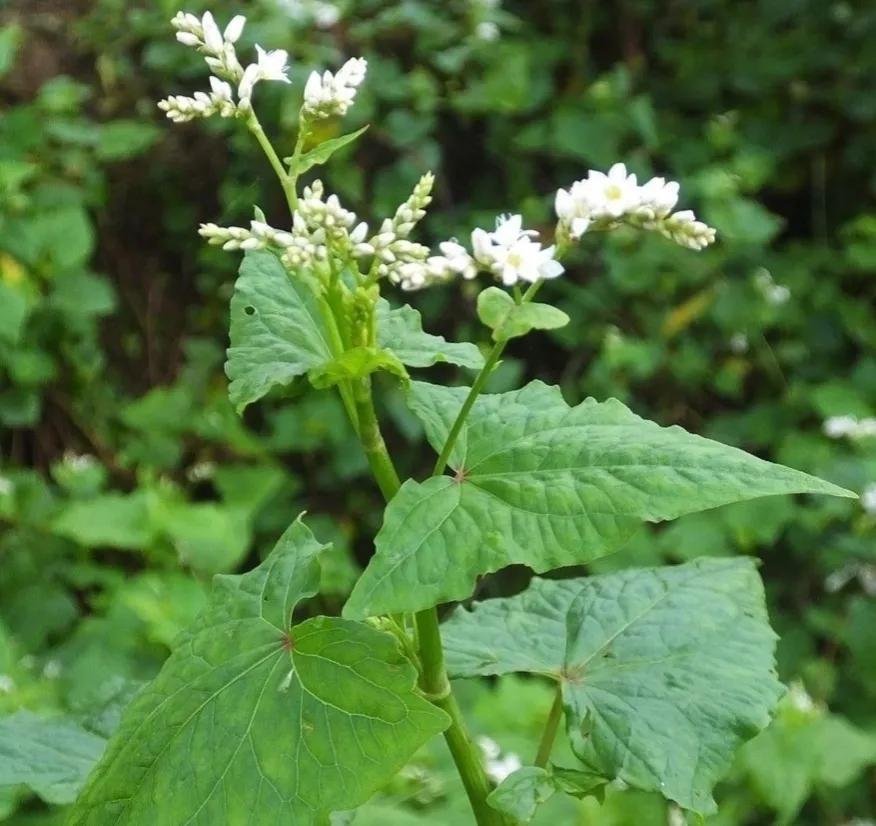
(476, 389)
(550, 729)
(286, 181)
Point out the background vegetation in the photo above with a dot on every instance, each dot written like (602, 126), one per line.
(126, 480)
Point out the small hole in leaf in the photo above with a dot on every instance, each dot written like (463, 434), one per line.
(249, 310)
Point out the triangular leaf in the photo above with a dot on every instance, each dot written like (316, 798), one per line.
(665, 672)
(401, 330)
(320, 154)
(50, 755)
(354, 364)
(508, 319)
(276, 330)
(546, 485)
(254, 721)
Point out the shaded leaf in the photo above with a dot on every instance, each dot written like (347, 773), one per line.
(401, 330)
(520, 794)
(665, 672)
(50, 755)
(277, 331)
(355, 364)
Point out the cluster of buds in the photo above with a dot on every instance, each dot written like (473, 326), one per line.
(329, 94)
(218, 48)
(180, 108)
(603, 201)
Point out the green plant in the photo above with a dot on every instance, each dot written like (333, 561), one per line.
(661, 674)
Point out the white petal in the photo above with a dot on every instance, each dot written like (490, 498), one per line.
(234, 29)
(212, 35)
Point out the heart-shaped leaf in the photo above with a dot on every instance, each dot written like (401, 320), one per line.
(256, 720)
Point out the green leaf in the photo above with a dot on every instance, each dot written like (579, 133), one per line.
(323, 152)
(804, 749)
(401, 330)
(508, 319)
(277, 331)
(254, 721)
(113, 520)
(122, 139)
(13, 313)
(546, 485)
(665, 672)
(521, 793)
(354, 364)
(50, 755)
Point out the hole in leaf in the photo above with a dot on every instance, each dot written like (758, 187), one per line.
(249, 309)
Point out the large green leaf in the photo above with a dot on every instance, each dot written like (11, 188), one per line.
(252, 720)
(546, 485)
(277, 331)
(401, 330)
(665, 672)
(50, 755)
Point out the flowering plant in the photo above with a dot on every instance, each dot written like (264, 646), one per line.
(265, 714)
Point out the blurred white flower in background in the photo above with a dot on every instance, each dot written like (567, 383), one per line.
(498, 766)
(854, 428)
(324, 15)
(739, 343)
(775, 294)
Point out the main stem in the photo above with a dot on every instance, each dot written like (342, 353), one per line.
(433, 677)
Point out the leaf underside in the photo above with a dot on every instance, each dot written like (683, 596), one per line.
(251, 720)
(546, 485)
(665, 672)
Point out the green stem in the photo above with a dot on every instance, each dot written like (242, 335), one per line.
(476, 388)
(550, 729)
(286, 181)
(433, 677)
(493, 357)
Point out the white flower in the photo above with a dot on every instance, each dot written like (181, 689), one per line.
(330, 94)
(234, 29)
(739, 343)
(271, 65)
(657, 198)
(213, 39)
(511, 254)
(838, 426)
(487, 30)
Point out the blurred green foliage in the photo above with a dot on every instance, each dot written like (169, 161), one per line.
(127, 479)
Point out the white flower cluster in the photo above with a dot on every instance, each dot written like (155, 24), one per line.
(604, 201)
(329, 94)
(850, 426)
(317, 223)
(218, 48)
(509, 252)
